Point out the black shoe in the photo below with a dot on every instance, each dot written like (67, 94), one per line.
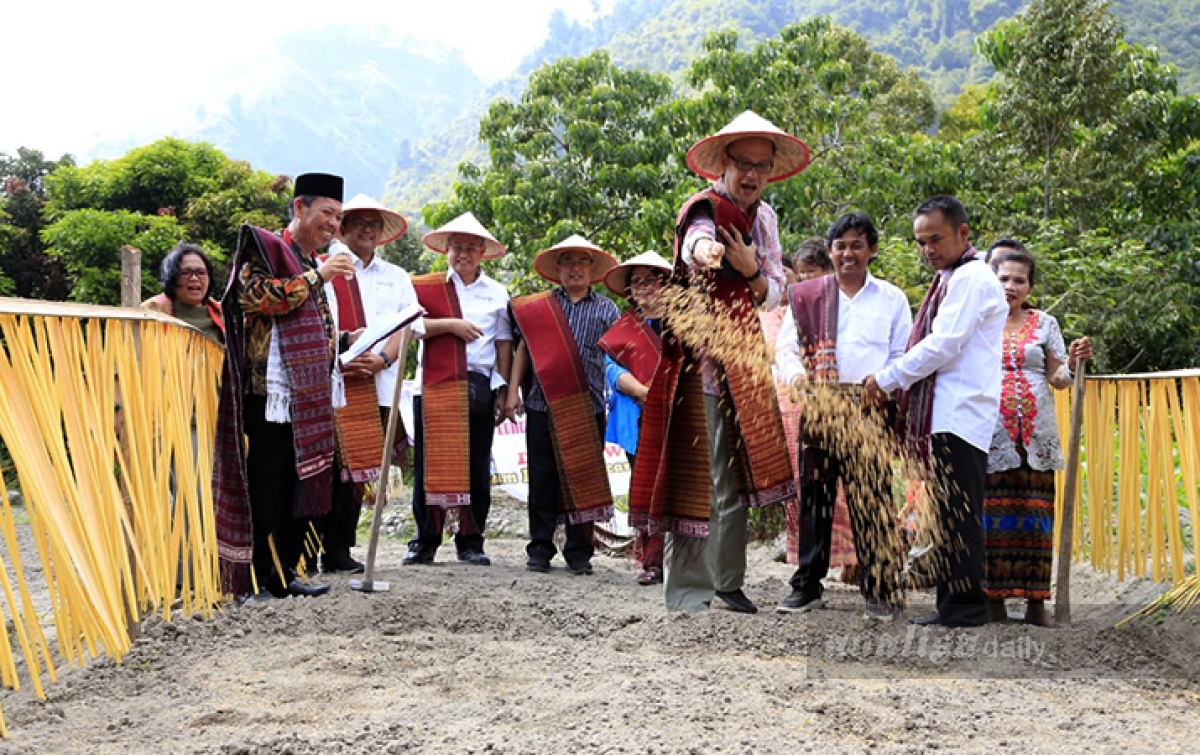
(737, 601)
(799, 602)
(582, 569)
(539, 565)
(342, 563)
(937, 621)
(417, 555)
(298, 589)
(479, 558)
(257, 599)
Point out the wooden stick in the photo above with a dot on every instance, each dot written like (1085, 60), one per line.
(1062, 592)
(367, 583)
(131, 276)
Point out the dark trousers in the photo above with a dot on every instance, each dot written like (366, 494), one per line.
(544, 493)
(482, 425)
(869, 495)
(272, 480)
(961, 469)
(339, 529)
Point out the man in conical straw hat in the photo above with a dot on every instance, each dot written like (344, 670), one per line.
(377, 290)
(631, 351)
(557, 334)
(466, 352)
(726, 249)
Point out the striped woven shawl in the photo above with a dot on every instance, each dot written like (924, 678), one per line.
(634, 345)
(359, 427)
(579, 452)
(445, 400)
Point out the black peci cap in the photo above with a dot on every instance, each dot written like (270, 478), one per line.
(319, 185)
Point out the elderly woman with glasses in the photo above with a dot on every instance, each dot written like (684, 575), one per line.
(632, 347)
(186, 275)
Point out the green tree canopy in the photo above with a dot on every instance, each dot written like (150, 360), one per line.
(152, 198)
(583, 151)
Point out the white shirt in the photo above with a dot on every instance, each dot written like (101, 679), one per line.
(964, 350)
(872, 332)
(484, 304)
(386, 289)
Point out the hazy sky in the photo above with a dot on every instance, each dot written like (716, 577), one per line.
(81, 71)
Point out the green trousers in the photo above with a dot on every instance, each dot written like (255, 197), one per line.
(695, 568)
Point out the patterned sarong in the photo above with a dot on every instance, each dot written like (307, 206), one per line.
(671, 486)
(1018, 533)
(445, 401)
(359, 427)
(578, 450)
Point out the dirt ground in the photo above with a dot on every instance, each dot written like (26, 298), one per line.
(468, 659)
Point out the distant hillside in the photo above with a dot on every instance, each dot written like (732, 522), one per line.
(934, 36)
(344, 99)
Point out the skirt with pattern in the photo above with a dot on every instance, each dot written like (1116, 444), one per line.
(1018, 533)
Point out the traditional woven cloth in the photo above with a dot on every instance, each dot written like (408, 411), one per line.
(814, 306)
(359, 427)
(1018, 533)
(671, 487)
(444, 400)
(914, 420)
(306, 354)
(634, 345)
(585, 495)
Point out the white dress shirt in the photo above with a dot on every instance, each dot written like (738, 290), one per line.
(386, 289)
(484, 304)
(872, 332)
(964, 350)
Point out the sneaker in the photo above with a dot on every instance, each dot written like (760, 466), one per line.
(539, 565)
(799, 602)
(581, 570)
(479, 558)
(417, 555)
(878, 610)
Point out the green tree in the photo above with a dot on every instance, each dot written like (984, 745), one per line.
(1058, 64)
(152, 198)
(583, 151)
(25, 268)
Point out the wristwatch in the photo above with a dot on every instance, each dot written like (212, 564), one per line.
(386, 362)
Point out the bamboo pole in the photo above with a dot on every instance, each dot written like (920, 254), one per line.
(1062, 593)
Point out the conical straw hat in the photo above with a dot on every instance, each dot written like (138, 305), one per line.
(546, 263)
(791, 154)
(394, 224)
(467, 225)
(617, 279)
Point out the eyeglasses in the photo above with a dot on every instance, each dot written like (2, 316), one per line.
(651, 282)
(766, 167)
(465, 248)
(357, 224)
(574, 261)
(189, 274)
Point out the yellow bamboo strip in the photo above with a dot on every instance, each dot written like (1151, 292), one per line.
(1162, 392)
(1129, 555)
(1189, 449)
